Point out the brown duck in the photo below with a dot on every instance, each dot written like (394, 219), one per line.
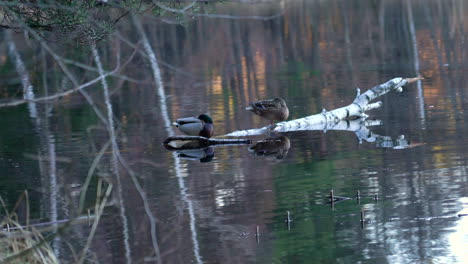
(272, 109)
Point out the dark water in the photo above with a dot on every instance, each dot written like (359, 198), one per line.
(312, 53)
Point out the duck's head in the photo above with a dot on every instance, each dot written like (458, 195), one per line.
(205, 118)
(280, 101)
(209, 154)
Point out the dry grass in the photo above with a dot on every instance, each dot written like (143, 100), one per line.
(19, 244)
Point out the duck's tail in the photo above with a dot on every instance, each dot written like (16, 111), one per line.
(250, 108)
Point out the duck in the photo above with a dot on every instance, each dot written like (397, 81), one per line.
(196, 126)
(272, 109)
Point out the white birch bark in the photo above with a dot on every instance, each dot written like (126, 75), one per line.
(28, 92)
(327, 119)
(414, 44)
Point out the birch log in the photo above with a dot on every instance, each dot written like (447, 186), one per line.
(360, 127)
(327, 119)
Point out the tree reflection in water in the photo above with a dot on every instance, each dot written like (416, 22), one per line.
(312, 53)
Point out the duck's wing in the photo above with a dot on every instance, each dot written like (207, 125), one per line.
(190, 125)
(186, 120)
(266, 105)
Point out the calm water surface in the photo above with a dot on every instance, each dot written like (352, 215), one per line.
(312, 53)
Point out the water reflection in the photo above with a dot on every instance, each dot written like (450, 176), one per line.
(199, 148)
(203, 155)
(275, 146)
(458, 239)
(313, 56)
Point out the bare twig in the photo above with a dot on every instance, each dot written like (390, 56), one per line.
(165, 64)
(224, 16)
(89, 68)
(65, 93)
(98, 215)
(91, 170)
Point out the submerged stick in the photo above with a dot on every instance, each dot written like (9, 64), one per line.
(362, 219)
(288, 220)
(257, 234)
(332, 200)
(336, 198)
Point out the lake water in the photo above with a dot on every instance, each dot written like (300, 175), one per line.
(166, 207)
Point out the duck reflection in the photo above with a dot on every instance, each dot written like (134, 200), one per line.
(202, 149)
(277, 146)
(191, 150)
(203, 155)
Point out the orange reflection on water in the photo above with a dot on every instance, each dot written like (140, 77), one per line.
(431, 50)
(439, 159)
(215, 87)
(259, 60)
(245, 76)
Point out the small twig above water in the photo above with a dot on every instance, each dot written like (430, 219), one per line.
(288, 220)
(363, 218)
(257, 234)
(335, 198)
